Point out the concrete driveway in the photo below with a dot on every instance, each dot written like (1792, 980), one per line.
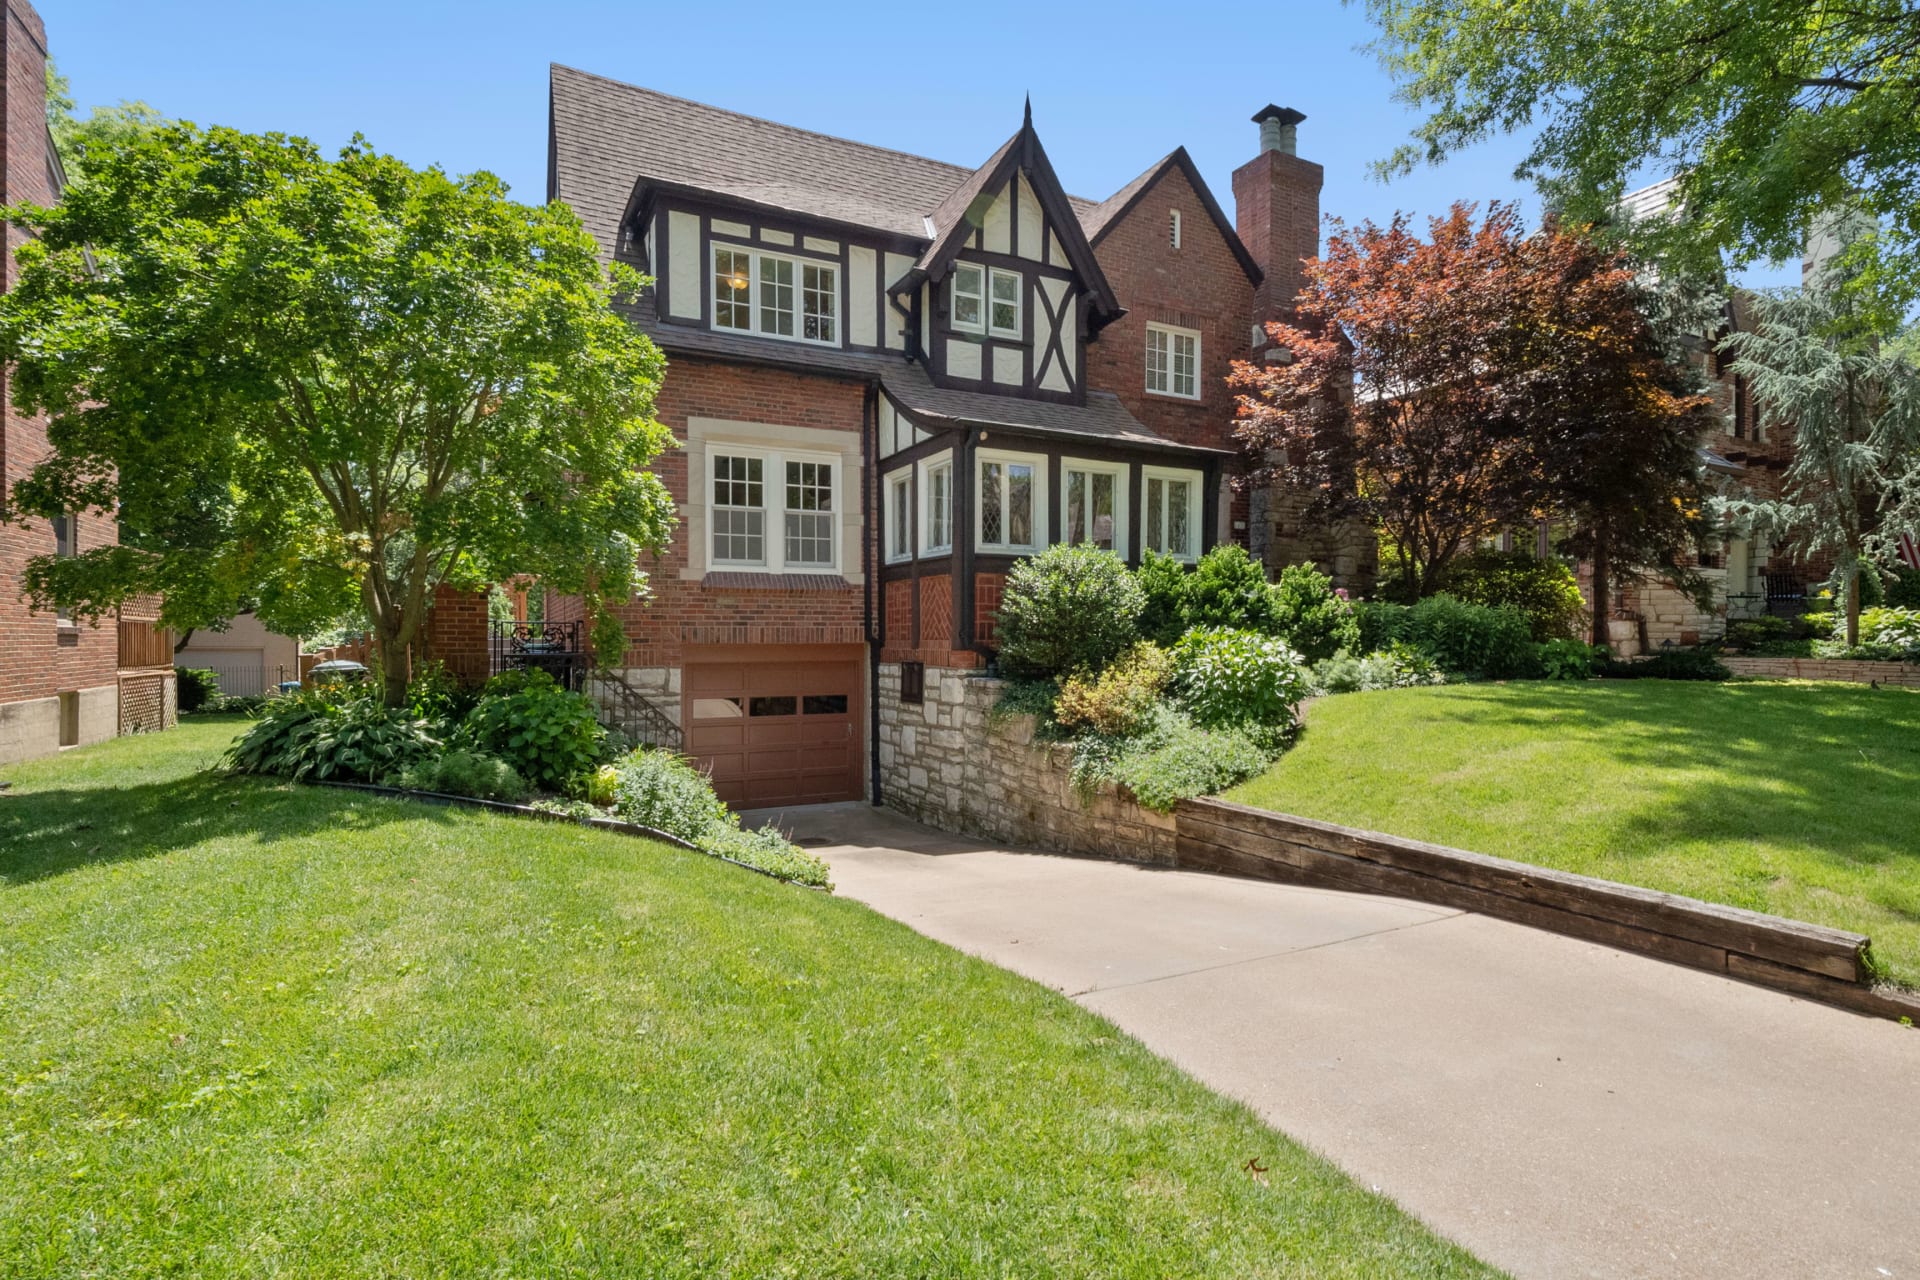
(1559, 1108)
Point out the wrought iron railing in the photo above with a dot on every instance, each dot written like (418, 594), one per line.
(558, 648)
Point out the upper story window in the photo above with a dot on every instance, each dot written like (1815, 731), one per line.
(1173, 361)
(985, 300)
(66, 534)
(775, 295)
(747, 485)
(1170, 522)
(1012, 500)
(1173, 228)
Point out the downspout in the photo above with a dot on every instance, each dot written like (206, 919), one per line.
(870, 446)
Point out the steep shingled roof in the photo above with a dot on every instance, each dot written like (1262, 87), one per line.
(604, 134)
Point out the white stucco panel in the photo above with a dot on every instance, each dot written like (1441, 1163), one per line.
(1033, 225)
(996, 235)
(963, 359)
(1009, 365)
(862, 323)
(684, 265)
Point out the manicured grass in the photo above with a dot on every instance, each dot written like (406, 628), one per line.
(1796, 798)
(251, 1029)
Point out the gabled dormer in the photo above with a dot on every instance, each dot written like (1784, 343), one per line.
(1008, 291)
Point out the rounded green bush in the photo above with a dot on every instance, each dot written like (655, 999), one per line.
(1067, 609)
(1544, 590)
(550, 735)
(1472, 639)
(1311, 616)
(1234, 677)
(1229, 588)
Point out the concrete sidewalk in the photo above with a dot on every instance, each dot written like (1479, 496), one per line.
(1559, 1108)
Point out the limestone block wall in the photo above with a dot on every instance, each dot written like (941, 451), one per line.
(648, 709)
(949, 762)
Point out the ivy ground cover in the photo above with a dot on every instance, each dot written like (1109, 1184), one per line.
(1796, 798)
(251, 1028)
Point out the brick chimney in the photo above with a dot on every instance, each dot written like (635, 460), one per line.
(1276, 198)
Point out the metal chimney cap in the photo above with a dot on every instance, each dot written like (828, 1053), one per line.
(1285, 115)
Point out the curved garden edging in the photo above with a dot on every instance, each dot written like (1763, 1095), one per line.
(617, 825)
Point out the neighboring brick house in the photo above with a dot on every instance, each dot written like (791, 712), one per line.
(891, 378)
(1743, 453)
(61, 684)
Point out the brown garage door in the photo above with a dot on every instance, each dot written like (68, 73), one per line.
(777, 729)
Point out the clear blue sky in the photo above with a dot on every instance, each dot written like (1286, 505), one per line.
(464, 85)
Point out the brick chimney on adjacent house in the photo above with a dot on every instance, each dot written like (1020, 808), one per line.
(1276, 198)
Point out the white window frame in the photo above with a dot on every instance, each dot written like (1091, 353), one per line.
(1121, 474)
(800, 264)
(773, 508)
(899, 491)
(1038, 461)
(1196, 508)
(929, 546)
(1173, 334)
(955, 293)
(995, 274)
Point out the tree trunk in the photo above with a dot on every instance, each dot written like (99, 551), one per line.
(393, 657)
(185, 636)
(1853, 605)
(1600, 591)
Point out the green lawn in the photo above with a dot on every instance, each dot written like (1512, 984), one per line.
(1795, 798)
(248, 1029)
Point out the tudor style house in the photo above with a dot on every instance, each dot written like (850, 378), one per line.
(891, 378)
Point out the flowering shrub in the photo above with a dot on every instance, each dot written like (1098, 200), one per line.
(1225, 677)
(1118, 700)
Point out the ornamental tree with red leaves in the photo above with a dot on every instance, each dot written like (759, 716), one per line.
(1447, 387)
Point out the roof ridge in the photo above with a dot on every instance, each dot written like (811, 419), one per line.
(961, 169)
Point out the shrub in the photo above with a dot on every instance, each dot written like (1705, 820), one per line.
(1570, 659)
(241, 703)
(1118, 701)
(1819, 622)
(1544, 590)
(1381, 623)
(1886, 635)
(1027, 698)
(1067, 609)
(1903, 592)
(1671, 664)
(194, 688)
(326, 737)
(1310, 616)
(1187, 761)
(1495, 642)
(1163, 585)
(600, 787)
(550, 735)
(462, 772)
(665, 791)
(1400, 667)
(434, 695)
(1225, 677)
(769, 850)
(1228, 588)
(1749, 632)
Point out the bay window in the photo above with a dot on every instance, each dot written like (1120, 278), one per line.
(1170, 515)
(775, 295)
(1173, 361)
(1094, 504)
(936, 505)
(1012, 502)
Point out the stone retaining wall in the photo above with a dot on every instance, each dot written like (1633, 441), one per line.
(1906, 674)
(949, 762)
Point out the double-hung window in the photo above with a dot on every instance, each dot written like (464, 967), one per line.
(775, 295)
(1094, 505)
(793, 495)
(1012, 502)
(985, 300)
(900, 515)
(1173, 361)
(1170, 518)
(936, 505)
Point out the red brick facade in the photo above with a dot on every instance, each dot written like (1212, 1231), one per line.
(458, 634)
(726, 608)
